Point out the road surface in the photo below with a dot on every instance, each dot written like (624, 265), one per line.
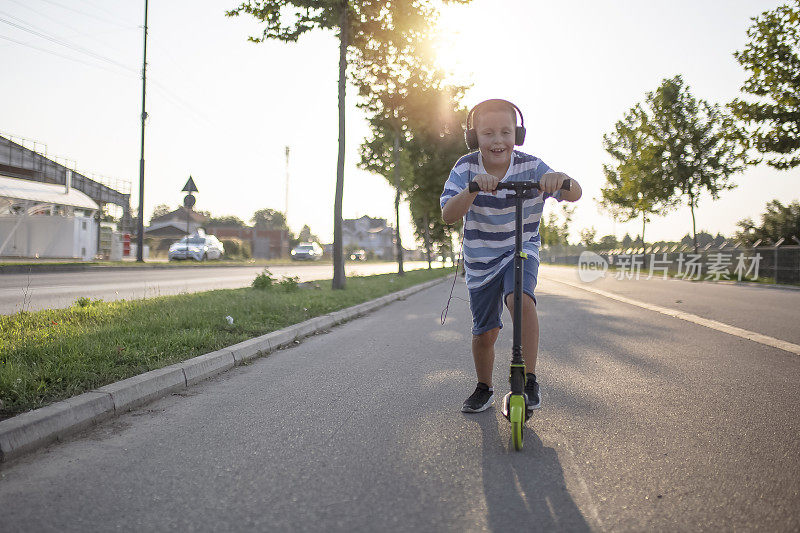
(649, 423)
(61, 289)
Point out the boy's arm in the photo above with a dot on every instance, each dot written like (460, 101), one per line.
(552, 181)
(457, 206)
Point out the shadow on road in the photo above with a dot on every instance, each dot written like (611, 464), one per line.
(524, 490)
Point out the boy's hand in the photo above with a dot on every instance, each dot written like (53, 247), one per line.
(552, 181)
(487, 182)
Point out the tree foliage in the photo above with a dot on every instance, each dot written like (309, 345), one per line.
(159, 211)
(696, 151)
(399, 85)
(305, 235)
(226, 220)
(772, 59)
(777, 222)
(635, 185)
(367, 30)
(269, 219)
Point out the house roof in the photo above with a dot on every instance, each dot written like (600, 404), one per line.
(180, 214)
(45, 193)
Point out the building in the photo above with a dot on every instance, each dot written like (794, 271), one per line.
(43, 220)
(372, 235)
(264, 243)
(48, 210)
(18, 161)
(172, 227)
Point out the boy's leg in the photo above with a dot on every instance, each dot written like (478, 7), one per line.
(530, 330)
(483, 354)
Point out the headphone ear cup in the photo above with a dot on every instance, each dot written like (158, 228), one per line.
(471, 138)
(519, 135)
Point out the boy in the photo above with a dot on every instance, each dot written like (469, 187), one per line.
(489, 236)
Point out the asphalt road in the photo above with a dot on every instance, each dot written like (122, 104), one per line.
(61, 289)
(649, 423)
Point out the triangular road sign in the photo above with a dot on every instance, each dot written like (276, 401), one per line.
(190, 187)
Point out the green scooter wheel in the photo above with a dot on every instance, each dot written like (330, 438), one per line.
(516, 416)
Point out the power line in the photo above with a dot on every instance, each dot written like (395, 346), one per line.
(78, 32)
(114, 15)
(85, 14)
(64, 43)
(51, 52)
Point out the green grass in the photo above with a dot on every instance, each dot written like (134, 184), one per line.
(51, 355)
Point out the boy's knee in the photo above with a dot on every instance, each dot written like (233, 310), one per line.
(487, 338)
(527, 301)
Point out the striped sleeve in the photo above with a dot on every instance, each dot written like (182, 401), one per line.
(456, 183)
(540, 171)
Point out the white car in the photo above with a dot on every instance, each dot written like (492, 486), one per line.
(309, 251)
(197, 247)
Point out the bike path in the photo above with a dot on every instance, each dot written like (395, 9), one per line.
(648, 423)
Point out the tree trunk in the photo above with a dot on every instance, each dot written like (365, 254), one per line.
(338, 257)
(427, 235)
(694, 230)
(396, 154)
(644, 220)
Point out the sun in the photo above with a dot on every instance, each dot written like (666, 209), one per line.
(455, 48)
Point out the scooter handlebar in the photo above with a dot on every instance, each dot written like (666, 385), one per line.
(518, 185)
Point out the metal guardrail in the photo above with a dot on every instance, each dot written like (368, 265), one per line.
(780, 264)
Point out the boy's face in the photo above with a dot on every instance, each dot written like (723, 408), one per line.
(496, 134)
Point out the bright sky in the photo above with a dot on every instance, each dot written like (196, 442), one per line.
(222, 109)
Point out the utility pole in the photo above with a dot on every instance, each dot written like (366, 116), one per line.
(286, 205)
(140, 236)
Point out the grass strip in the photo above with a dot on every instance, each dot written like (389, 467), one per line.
(50, 355)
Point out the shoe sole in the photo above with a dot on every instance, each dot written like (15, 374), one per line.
(534, 407)
(487, 405)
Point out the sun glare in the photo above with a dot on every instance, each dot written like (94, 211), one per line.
(455, 46)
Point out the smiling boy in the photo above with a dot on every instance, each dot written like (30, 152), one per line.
(489, 236)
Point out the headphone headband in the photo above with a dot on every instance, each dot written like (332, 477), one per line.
(471, 136)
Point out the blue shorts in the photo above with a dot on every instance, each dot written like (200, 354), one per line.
(486, 302)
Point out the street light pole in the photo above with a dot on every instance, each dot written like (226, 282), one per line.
(140, 231)
(286, 205)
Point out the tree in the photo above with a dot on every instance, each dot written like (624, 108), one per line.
(362, 26)
(695, 152)
(287, 20)
(554, 234)
(225, 220)
(777, 222)
(634, 184)
(269, 219)
(772, 58)
(391, 74)
(159, 211)
(306, 235)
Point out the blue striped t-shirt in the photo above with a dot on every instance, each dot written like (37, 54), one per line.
(489, 223)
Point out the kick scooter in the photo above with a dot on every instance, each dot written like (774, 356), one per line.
(514, 403)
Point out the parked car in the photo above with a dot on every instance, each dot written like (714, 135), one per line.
(308, 251)
(197, 247)
(358, 255)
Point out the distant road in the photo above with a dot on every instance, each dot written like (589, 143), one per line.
(61, 289)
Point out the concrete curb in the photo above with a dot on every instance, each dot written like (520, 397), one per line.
(32, 430)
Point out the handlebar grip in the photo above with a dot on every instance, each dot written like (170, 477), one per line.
(565, 185)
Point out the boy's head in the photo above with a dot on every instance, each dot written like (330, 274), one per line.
(492, 127)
